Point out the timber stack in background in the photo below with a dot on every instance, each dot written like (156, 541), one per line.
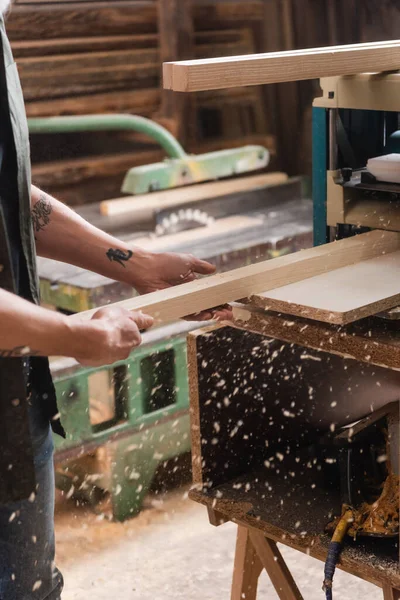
(88, 57)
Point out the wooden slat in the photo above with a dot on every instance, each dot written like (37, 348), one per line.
(341, 296)
(191, 298)
(119, 17)
(176, 197)
(276, 67)
(79, 19)
(28, 48)
(142, 102)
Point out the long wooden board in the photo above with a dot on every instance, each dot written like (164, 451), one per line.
(276, 67)
(341, 296)
(191, 298)
(176, 197)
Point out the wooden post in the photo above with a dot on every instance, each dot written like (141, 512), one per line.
(247, 568)
(176, 31)
(270, 40)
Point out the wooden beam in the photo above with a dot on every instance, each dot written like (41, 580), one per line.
(175, 197)
(191, 298)
(277, 67)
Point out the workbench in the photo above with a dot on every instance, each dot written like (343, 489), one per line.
(254, 462)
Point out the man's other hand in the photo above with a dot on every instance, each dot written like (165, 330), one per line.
(110, 336)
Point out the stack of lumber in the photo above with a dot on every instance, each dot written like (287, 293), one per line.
(80, 57)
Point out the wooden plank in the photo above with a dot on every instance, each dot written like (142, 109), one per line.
(54, 76)
(276, 67)
(247, 568)
(340, 296)
(191, 298)
(29, 48)
(273, 562)
(81, 19)
(143, 102)
(176, 197)
(69, 64)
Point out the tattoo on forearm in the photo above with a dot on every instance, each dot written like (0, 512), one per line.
(18, 352)
(41, 213)
(119, 256)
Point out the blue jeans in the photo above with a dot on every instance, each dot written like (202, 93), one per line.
(27, 570)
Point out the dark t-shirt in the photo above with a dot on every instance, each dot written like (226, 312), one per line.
(9, 203)
(9, 200)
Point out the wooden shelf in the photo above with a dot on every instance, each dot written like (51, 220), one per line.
(288, 510)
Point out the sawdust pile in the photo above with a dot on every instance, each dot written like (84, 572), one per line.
(381, 517)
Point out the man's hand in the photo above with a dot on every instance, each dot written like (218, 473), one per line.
(110, 336)
(154, 272)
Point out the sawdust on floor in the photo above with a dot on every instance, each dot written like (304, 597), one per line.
(169, 552)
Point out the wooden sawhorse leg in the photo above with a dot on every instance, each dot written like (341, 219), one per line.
(390, 593)
(247, 568)
(255, 552)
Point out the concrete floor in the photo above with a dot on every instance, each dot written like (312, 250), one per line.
(169, 552)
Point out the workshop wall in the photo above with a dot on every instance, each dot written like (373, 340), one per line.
(79, 57)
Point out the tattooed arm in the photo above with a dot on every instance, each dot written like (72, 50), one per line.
(63, 235)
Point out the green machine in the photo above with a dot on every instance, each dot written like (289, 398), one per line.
(178, 169)
(126, 422)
